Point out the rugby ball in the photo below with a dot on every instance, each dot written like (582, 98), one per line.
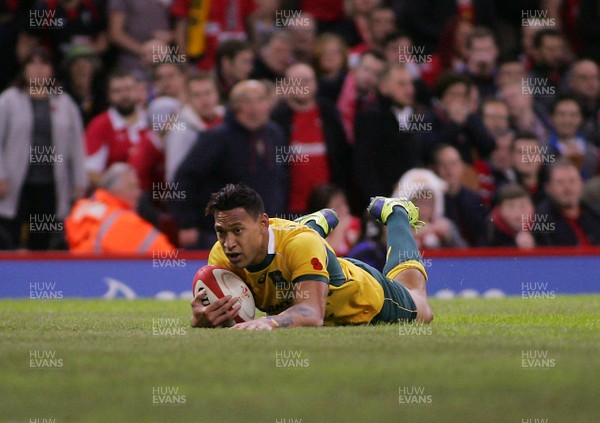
(220, 281)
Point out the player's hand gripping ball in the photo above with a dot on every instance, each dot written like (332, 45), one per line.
(220, 281)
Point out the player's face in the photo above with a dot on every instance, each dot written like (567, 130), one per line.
(243, 238)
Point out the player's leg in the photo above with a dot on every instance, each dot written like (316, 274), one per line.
(324, 221)
(403, 261)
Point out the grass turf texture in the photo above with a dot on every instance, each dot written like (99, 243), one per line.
(469, 363)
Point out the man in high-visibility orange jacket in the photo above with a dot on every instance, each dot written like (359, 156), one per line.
(108, 222)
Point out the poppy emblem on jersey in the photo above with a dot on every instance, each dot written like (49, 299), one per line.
(316, 264)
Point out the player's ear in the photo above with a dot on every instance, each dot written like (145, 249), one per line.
(263, 221)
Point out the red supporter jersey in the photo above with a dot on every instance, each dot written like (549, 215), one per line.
(109, 140)
(148, 159)
(324, 10)
(307, 156)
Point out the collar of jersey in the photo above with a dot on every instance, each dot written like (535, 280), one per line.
(270, 255)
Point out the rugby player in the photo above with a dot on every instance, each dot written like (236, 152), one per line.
(296, 278)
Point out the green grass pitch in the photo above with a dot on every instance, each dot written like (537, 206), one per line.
(481, 360)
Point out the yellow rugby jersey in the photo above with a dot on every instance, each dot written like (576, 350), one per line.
(297, 253)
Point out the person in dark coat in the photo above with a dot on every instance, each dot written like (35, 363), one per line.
(315, 134)
(463, 206)
(509, 223)
(243, 149)
(386, 136)
(452, 121)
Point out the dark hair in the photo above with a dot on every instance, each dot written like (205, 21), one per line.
(565, 98)
(36, 53)
(539, 36)
(231, 48)
(511, 191)
(447, 80)
(321, 195)
(233, 196)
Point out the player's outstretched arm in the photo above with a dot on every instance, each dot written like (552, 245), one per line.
(308, 309)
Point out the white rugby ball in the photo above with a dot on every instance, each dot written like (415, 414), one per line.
(220, 281)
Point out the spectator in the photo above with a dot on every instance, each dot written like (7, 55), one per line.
(201, 112)
(72, 23)
(451, 53)
(107, 222)
(200, 26)
(83, 82)
(495, 116)
(111, 135)
(328, 13)
(234, 64)
(331, 64)
(426, 191)
(509, 222)
(550, 60)
(263, 21)
(304, 38)
(386, 135)
(318, 152)
(584, 83)
(381, 23)
(524, 115)
(501, 164)
(570, 221)
(244, 148)
(355, 29)
(154, 52)
(425, 20)
(169, 81)
(13, 13)
(347, 232)
(567, 141)
(452, 121)
(528, 157)
(588, 24)
(398, 48)
(462, 205)
(510, 72)
(274, 57)
(41, 153)
(129, 33)
(359, 91)
(147, 157)
(482, 60)
(591, 192)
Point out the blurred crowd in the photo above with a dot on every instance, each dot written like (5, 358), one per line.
(119, 118)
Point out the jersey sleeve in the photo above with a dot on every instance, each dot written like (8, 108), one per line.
(217, 256)
(306, 257)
